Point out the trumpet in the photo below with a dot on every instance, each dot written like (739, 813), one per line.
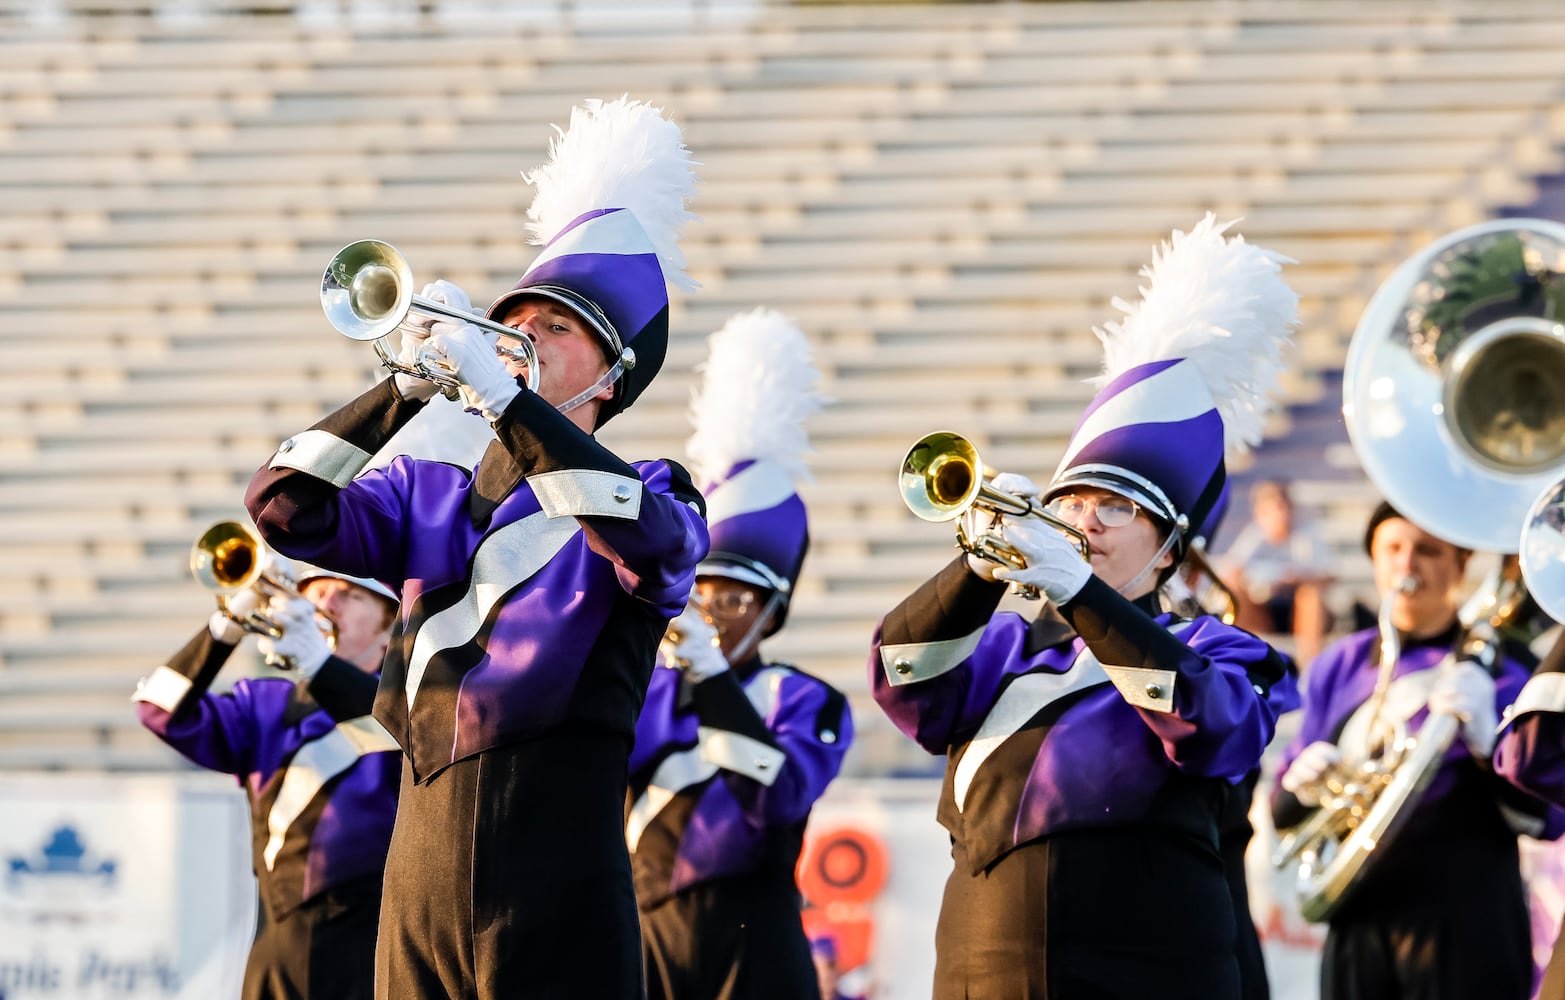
(943, 478)
(367, 293)
(229, 558)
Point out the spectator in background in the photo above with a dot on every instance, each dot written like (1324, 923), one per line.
(1279, 570)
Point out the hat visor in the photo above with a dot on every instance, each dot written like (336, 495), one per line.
(578, 304)
(733, 571)
(373, 586)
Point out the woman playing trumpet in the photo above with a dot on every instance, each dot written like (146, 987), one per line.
(732, 749)
(1089, 754)
(318, 772)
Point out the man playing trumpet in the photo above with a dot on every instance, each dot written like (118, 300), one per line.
(1089, 754)
(319, 773)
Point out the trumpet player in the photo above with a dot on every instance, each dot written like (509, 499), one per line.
(319, 773)
(535, 588)
(1089, 754)
(1441, 912)
(733, 748)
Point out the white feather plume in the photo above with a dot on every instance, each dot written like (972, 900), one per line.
(618, 154)
(758, 384)
(1220, 303)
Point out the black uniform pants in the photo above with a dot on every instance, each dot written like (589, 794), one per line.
(324, 949)
(509, 879)
(737, 938)
(1448, 922)
(1099, 914)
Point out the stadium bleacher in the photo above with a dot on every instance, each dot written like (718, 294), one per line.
(946, 200)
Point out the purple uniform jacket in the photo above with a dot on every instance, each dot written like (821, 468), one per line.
(1339, 684)
(1114, 717)
(724, 773)
(534, 589)
(1530, 752)
(320, 774)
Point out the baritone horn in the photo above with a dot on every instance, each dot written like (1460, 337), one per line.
(367, 293)
(229, 558)
(943, 477)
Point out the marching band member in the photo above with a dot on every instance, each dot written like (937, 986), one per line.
(535, 589)
(1089, 755)
(732, 749)
(318, 772)
(1441, 912)
(1530, 753)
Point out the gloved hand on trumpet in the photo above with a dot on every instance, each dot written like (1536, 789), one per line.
(468, 353)
(302, 646)
(978, 521)
(691, 646)
(416, 329)
(226, 623)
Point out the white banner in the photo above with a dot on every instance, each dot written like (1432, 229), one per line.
(123, 887)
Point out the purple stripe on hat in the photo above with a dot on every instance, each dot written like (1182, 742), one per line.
(775, 537)
(584, 217)
(1179, 457)
(627, 287)
(1125, 379)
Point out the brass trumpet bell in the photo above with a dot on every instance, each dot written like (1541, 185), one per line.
(227, 558)
(367, 293)
(943, 477)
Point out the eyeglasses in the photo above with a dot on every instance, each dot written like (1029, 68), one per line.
(1112, 511)
(726, 604)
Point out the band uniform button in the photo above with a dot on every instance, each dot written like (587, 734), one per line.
(903, 666)
(286, 446)
(828, 736)
(1154, 691)
(621, 493)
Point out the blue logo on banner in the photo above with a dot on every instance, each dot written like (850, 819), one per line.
(63, 858)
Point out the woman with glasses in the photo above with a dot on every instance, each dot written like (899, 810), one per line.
(1090, 752)
(732, 750)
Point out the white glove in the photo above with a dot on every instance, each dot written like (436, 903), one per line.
(1465, 690)
(302, 646)
(696, 653)
(1304, 774)
(976, 521)
(487, 388)
(1054, 564)
(415, 331)
(223, 628)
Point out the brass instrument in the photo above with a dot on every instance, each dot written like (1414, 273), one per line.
(228, 558)
(1454, 398)
(943, 477)
(1196, 556)
(1541, 550)
(367, 293)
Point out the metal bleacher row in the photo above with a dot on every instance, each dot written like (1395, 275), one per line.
(945, 197)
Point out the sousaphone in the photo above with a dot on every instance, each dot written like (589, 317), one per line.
(1454, 398)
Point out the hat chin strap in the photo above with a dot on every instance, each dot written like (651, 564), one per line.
(1127, 588)
(605, 380)
(751, 642)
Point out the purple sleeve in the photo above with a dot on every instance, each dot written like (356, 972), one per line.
(937, 659)
(813, 727)
(1530, 751)
(1221, 720)
(358, 523)
(655, 553)
(218, 732)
